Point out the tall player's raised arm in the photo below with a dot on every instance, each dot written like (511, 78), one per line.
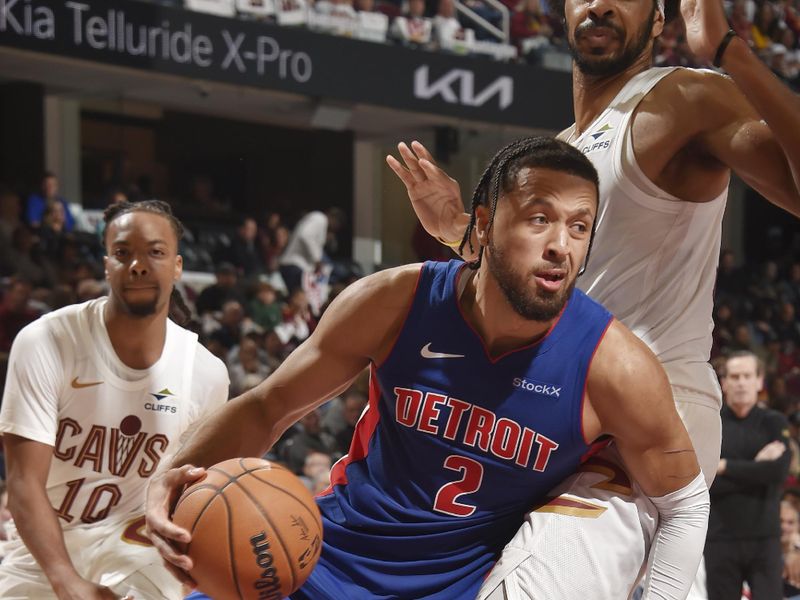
(630, 398)
(435, 196)
(751, 121)
(358, 328)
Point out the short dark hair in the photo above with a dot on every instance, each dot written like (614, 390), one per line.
(532, 152)
(156, 207)
(743, 354)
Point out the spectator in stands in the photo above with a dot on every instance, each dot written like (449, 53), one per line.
(25, 259)
(273, 239)
(353, 404)
(765, 27)
(450, 35)
(744, 530)
(297, 322)
(265, 309)
(730, 281)
(89, 289)
(308, 437)
(244, 253)
(306, 248)
(225, 288)
(786, 326)
(246, 363)
(52, 231)
(740, 21)
(531, 30)
(790, 543)
(789, 289)
(315, 468)
(10, 210)
(37, 203)
(274, 350)
(232, 325)
(412, 27)
(15, 312)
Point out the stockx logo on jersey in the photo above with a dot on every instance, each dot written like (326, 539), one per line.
(599, 142)
(158, 406)
(537, 387)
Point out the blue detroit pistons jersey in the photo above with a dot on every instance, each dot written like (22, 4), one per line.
(454, 449)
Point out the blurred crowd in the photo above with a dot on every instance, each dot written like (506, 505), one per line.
(535, 33)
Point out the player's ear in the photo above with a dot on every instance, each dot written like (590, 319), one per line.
(105, 266)
(482, 225)
(658, 24)
(178, 267)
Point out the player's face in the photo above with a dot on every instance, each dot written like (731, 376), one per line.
(539, 240)
(608, 36)
(742, 382)
(142, 262)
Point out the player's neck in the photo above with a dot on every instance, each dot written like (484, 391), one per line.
(591, 95)
(137, 341)
(500, 327)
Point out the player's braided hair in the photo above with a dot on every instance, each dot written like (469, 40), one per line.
(537, 151)
(179, 311)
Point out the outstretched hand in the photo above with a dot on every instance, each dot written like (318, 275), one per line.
(162, 494)
(434, 195)
(706, 25)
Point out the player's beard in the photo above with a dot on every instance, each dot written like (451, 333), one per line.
(525, 297)
(141, 308)
(606, 66)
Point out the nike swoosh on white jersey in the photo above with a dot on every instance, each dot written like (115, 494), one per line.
(426, 353)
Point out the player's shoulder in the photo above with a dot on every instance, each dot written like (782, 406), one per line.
(61, 327)
(624, 361)
(208, 367)
(699, 89)
(397, 282)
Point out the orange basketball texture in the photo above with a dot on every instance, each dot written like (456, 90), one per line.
(256, 530)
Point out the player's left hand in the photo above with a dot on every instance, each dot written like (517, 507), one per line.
(706, 25)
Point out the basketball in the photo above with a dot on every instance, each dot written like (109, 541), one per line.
(256, 530)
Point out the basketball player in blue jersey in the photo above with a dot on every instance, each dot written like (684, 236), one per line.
(490, 383)
(664, 141)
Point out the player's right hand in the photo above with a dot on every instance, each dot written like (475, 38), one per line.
(434, 195)
(162, 494)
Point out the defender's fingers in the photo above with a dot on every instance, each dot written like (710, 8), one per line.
(404, 174)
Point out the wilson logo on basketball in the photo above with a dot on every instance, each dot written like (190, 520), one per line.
(268, 584)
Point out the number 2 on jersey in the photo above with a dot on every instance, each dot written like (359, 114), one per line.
(471, 478)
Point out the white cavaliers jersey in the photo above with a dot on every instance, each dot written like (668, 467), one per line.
(109, 425)
(654, 258)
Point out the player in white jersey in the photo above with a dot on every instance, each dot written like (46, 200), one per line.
(96, 395)
(664, 142)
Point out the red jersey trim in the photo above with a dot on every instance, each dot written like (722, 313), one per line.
(585, 386)
(365, 429)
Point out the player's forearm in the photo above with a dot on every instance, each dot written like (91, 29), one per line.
(679, 541)
(38, 526)
(239, 428)
(777, 105)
